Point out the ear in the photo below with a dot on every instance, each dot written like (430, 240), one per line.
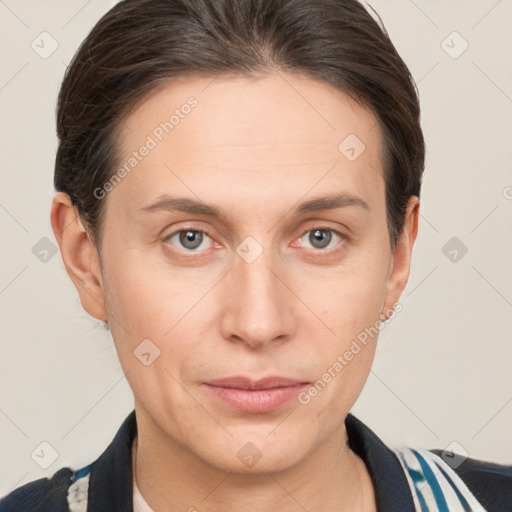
(400, 264)
(79, 255)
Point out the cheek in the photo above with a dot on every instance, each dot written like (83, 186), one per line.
(349, 303)
(351, 313)
(150, 300)
(342, 358)
(349, 298)
(150, 297)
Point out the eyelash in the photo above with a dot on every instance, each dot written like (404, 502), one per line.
(343, 238)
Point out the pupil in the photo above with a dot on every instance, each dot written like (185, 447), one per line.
(320, 234)
(189, 236)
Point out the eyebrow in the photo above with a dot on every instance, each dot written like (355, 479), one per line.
(187, 205)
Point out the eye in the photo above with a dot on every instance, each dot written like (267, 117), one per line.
(189, 239)
(321, 237)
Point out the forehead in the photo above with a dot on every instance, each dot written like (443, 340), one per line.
(280, 130)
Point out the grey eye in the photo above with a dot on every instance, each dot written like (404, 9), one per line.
(189, 239)
(321, 237)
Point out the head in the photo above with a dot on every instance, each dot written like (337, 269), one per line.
(237, 195)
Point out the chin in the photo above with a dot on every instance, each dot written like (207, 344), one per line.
(254, 454)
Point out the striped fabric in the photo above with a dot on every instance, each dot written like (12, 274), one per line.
(79, 489)
(435, 486)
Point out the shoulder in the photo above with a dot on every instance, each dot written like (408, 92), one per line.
(103, 484)
(40, 495)
(489, 482)
(451, 480)
(64, 491)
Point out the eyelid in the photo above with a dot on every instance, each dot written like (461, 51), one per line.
(323, 228)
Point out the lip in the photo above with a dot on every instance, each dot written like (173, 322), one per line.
(254, 396)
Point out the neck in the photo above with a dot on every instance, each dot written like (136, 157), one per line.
(172, 479)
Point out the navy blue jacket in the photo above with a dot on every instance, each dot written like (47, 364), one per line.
(399, 486)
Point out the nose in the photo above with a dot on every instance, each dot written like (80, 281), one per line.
(259, 304)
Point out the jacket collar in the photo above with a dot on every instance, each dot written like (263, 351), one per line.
(111, 488)
(392, 491)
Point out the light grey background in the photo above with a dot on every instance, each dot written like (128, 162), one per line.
(442, 372)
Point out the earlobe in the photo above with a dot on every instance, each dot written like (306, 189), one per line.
(400, 264)
(79, 255)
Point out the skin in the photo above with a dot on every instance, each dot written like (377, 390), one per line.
(254, 148)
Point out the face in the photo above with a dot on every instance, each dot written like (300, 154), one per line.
(248, 246)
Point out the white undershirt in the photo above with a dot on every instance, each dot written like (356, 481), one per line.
(139, 503)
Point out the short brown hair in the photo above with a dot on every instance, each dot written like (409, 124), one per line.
(139, 44)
